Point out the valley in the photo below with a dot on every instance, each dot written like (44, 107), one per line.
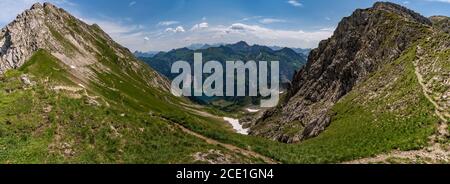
(290, 62)
(377, 91)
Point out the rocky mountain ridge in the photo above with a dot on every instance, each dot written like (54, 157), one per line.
(75, 43)
(362, 43)
(441, 22)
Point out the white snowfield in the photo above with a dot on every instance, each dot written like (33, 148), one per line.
(252, 110)
(236, 125)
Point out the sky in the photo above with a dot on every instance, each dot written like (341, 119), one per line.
(162, 25)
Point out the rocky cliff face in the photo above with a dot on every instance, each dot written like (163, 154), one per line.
(361, 44)
(76, 44)
(23, 37)
(441, 22)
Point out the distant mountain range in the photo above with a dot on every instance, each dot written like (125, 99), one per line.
(298, 50)
(290, 61)
(199, 46)
(145, 54)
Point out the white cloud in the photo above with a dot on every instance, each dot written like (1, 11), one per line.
(253, 34)
(136, 37)
(250, 18)
(114, 27)
(202, 25)
(239, 27)
(132, 3)
(168, 23)
(328, 29)
(295, 3)
(133, 36)
(271, 21)
(178, 29)
(290, 38)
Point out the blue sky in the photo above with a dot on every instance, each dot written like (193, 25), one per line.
(161, 25)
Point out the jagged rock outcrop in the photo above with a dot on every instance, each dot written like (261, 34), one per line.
(361, 44)
(403, 12)
(22, 37)
(441, 22)
(79, 46)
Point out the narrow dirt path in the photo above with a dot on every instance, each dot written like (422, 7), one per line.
(194, 109)
(435, 153)
(208, 140)
(68, 88)
(230, 147)
(426, 92)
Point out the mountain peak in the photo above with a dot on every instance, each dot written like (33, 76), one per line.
(242, 43)
(402, 11)
(288, 51)
(384, 4)
(36, 6)
(75, 44)
(239, 46)
(39, 6)
(50, 5)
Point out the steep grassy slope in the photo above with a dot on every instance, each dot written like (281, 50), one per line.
(41, 125)
(362, 44)
(43, 65)
(432, 63)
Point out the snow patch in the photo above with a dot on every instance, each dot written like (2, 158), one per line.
(236, 126)
(252, 110)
